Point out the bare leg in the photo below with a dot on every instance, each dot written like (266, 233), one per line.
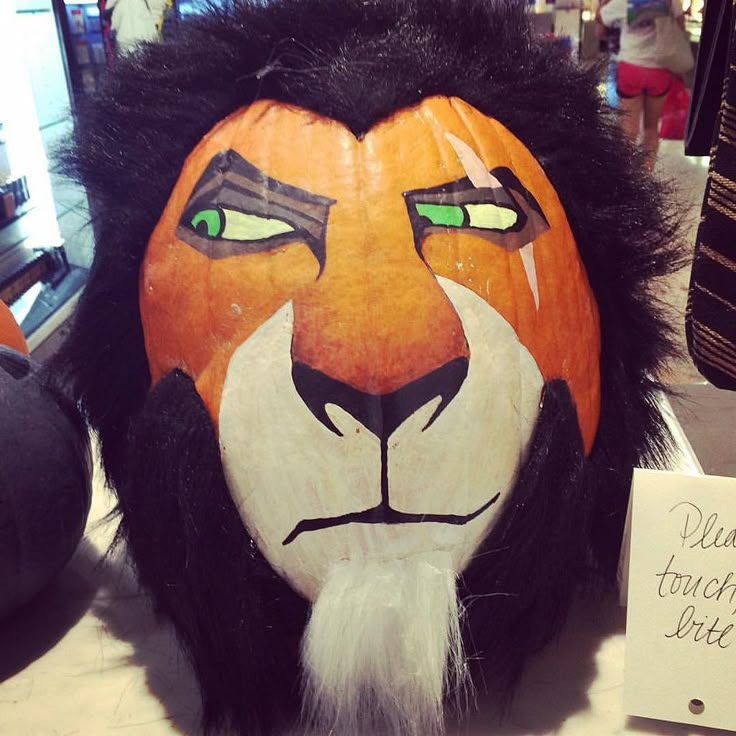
(631, 109)
(652, 113)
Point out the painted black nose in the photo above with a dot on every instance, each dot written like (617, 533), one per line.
(381, 414)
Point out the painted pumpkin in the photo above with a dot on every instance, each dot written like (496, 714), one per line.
(368, 347)
(10, 333)
(45, 477)
(399, 308)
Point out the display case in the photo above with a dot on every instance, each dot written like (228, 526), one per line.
(84, 43)
(36, 278)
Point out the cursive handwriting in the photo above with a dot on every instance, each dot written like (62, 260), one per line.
(703, 534)
(712, 635)
(672, 582)
(699, 531)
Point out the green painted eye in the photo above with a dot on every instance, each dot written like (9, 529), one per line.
(448, 215)
(235, 225)
(207, 223)
(485, 216)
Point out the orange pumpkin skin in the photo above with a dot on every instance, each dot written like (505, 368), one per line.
(373, 317)
(10, 333)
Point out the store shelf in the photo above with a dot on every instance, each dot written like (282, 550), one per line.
(46, 306)
(35, 277)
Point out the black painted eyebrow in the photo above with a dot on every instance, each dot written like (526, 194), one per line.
(231, 181)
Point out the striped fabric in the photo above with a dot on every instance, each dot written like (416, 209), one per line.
(710, 320)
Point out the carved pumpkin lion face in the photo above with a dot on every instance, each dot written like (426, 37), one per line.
(370, 323)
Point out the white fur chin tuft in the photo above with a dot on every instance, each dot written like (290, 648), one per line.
(383, 649)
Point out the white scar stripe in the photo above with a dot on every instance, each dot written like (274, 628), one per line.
(527, 258)
(476, 170)
(480, 177)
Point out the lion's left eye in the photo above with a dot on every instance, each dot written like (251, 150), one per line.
(486, 216)
(230, 224)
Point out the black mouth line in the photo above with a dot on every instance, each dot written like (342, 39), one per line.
(384, 514)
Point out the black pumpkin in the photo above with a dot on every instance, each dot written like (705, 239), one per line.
(45, 481)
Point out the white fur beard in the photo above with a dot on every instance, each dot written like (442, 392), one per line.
(383, 649)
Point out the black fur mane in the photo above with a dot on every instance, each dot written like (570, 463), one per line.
(357, 61)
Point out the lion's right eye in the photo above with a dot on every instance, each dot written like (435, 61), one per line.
(480, 215)
(231, 224)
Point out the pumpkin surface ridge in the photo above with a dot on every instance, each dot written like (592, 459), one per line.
(437, 129)
(497, 139)
(463, 112)
(588, 412)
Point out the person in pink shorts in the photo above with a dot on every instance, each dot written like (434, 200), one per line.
(640, 83)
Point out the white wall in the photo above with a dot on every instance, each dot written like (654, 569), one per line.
(17, 108)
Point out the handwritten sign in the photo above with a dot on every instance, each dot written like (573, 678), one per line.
(681, 617)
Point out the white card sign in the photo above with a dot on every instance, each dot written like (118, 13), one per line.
(681, 617)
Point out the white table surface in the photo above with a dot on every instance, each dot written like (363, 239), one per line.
(87, 658)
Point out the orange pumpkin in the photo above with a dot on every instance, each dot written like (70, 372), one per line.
(45, 479)
(224, 301)
(10, 334)
(384, 310)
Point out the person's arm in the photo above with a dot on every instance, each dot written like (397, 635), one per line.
(612, 12)
(679, 13)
